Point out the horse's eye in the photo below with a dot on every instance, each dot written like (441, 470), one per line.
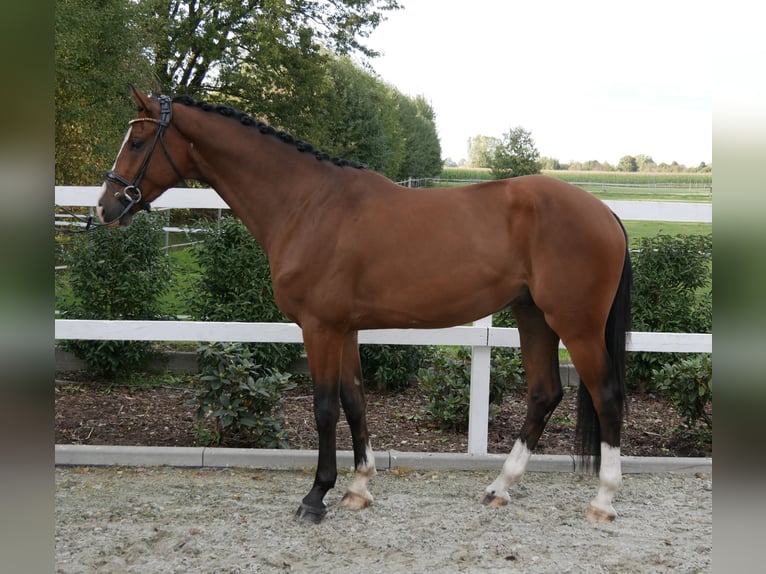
(136, 145)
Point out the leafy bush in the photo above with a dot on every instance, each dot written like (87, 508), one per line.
(672, 292)
(240, 397)
(507, 368)
(116, 274)
(235, 285)
(447, 387)
(392, 367)
(689, 383)
(446, 383)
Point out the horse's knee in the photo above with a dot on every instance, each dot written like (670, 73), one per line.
(542, 401)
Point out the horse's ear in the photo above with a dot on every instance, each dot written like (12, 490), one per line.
(142, 101)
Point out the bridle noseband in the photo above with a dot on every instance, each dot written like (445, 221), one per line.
(130, 194)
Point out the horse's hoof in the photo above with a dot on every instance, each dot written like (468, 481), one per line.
(310, 514)
(492, 500)
(354, 501)
(599, 515)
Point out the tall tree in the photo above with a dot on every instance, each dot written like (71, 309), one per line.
(422, 149)
(360, 123)
(266, 57)
(480, 150)
(203, 45)
(97, 49)
(627, 163)
(365, 120)
(515, 155)
(645, 163)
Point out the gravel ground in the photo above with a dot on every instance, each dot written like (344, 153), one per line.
(161, 519)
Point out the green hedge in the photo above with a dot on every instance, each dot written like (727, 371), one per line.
(234, 284)
(672, 292)
(118, 274)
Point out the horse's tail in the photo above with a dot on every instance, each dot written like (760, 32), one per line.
(615, 336)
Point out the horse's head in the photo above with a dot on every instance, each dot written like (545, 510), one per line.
(142, 172)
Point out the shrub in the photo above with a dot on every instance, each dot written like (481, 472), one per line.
(240, 396)
(235, 285)
(689, 383)
(507, 369)
(392, 367)
(446, 383)
(672, 292)
(116, 274)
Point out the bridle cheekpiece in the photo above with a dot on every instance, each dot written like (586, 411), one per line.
(130, 194)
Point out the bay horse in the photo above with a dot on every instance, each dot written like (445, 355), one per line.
(349, 250)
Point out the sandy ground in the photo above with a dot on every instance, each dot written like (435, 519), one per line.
(158, 520)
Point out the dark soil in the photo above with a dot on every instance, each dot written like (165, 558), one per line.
(95, 412)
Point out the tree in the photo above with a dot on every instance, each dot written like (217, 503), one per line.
(645, 163)
(480, 150)
(422, 150)
(209, 45)
(550, 163)
(627, 163)
(97, 51)
(364, 118)
(268, 58)
(515, 155)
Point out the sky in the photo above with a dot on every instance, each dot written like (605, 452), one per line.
(591, 80)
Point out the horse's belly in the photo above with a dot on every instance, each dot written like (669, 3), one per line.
(439, 302)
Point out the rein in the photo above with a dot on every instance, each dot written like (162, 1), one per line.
(130, 194)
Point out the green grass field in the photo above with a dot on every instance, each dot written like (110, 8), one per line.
(687, 187)
(615, 177)
(638, 229)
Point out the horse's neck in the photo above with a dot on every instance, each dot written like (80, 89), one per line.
(262, 179)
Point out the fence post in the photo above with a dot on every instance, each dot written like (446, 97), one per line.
(478, 414)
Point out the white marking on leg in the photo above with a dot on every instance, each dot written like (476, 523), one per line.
(610, 478)
(513, 469)
(364, 472)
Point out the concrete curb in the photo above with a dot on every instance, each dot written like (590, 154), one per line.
(279, 459)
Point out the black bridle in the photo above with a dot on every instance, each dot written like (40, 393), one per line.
(130, 194)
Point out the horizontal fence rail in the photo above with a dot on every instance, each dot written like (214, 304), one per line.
(193, 198)
(468, 336)
(481, 336)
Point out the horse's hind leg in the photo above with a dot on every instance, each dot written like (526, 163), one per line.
(539, 354)
(355, 406)
(591, 360)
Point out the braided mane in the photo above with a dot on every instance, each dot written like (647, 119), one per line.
(266, 129)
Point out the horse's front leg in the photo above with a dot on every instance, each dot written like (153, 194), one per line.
(324, 349)
(355, 406)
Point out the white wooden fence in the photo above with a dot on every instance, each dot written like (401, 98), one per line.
(481, 336)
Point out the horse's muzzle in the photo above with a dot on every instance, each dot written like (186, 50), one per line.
(112, 220)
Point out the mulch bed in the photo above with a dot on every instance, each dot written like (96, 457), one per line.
(97, 412)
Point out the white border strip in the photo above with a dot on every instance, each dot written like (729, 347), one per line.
(287, 459)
